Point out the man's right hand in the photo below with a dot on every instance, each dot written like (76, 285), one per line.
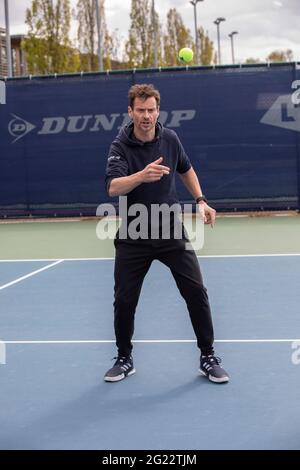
(151, 173)
(154, 171)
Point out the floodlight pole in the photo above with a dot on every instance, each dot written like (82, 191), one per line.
(8, 43)
(217, 22)
(194, 3)
(232, 46)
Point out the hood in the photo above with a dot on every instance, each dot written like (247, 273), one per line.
(127, 137)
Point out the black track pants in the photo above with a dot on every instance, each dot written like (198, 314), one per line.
(132, 262)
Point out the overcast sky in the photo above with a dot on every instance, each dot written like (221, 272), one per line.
(263, 25)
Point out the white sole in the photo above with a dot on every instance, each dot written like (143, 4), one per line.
(214, 379)
(119, 377)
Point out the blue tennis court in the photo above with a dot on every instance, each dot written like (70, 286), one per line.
(57, 329)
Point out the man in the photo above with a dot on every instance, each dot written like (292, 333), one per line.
(142, 163)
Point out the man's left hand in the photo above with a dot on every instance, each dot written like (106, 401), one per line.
(207, 213)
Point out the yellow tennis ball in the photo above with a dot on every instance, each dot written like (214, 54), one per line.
(186, 54)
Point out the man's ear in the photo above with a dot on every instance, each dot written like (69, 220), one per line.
(130, 112)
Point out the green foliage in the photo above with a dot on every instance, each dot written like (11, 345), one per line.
(252, 60)
(87, 36)
(176, 37)
(280, 56)
(48, 47)
(141, 40)
(206, 47)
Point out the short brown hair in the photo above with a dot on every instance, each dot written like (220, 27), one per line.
(143, 91)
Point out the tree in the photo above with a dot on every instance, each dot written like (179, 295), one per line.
(140, 44)
(289, 55)
(206, 47)
(176, 37)
(280, 56)
(252, 60)
(48, 46)
(87, 35)
(112, 45)
(155, 37)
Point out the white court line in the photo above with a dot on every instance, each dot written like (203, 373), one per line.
(112, 258)
(267, 255)
(52, 259)
(33, 273)
(104, 341)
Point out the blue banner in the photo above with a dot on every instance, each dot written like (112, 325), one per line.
(240, 127)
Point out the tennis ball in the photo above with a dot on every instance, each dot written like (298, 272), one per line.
(186, 54)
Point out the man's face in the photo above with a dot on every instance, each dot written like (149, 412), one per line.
(144, 115)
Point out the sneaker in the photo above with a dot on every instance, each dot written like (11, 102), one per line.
(121, 368)
(210, 366)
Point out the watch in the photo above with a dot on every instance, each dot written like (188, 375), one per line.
(201, 198)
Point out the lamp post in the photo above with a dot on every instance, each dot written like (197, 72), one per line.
(8, 44)
(99, 35)
(217, 22)
(232, 46)
(194, 3)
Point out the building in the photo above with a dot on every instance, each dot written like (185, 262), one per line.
(3, 62)
(19, 62)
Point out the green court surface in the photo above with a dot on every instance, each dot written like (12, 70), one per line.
(232, 235)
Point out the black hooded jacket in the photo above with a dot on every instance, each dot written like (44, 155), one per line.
(128, 155)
